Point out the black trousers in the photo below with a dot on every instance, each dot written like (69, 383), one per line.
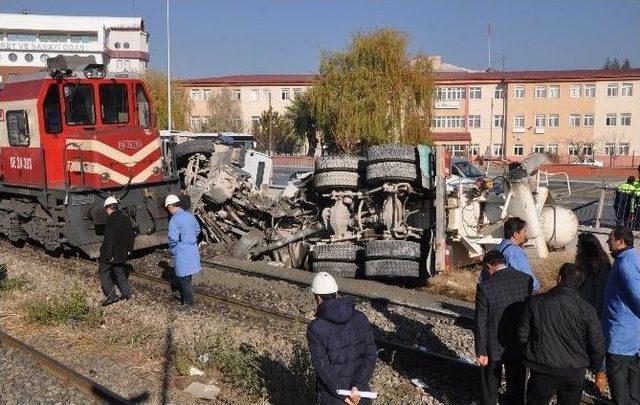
(186, 291)
(110, 273)
(623, 373)
(542, 387)
(491, 377)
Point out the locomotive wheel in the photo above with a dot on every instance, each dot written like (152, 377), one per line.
(338, 252)
(391, 153)
(392, 249)
(337, 163)
(338, 269)
(391, 171)
(391, 268)
(336, 180)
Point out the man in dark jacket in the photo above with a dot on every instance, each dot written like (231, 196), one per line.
(563, 337)
(341, 344)
(499, 303)
(117, 244)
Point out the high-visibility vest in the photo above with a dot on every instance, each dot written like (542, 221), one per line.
(626, 188)
(636, 185)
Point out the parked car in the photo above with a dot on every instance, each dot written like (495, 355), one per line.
(589, 162)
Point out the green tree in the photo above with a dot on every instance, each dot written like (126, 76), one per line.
(282, 141)
(373, 93)
(302, 121)
(180, 101)
(225, 114)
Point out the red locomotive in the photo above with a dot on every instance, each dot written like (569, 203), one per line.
(68, 140)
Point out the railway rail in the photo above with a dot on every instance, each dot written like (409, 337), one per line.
(67, 375)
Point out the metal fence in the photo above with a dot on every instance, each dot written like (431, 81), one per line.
(609, 209)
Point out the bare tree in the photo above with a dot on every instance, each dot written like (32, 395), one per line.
(582, 146)
(225, 114)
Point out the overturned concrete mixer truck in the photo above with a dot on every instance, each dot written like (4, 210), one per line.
(388, 214)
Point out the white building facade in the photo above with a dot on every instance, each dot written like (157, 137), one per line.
(27, 40)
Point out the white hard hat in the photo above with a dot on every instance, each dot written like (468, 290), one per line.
(110, 200)
(171, 199)
(324, 283)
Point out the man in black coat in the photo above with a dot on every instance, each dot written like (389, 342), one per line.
(117, 244)
(499, 303)
(563, 337)
(341, 344)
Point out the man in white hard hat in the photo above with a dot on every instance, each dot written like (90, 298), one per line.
(183, 243)
(117, 244)
(341, 344)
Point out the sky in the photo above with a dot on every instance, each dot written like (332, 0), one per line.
(225, 37)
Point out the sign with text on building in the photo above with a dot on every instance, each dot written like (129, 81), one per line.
(42, 46)
(447, 104)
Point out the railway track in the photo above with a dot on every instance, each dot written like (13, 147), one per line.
(66, 375)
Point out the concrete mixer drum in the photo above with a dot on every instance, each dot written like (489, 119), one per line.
(559, 226)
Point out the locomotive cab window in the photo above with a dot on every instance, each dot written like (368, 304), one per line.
(114, 106)
(79, 103)
(144, 109)
(51, 108)
(18, 128)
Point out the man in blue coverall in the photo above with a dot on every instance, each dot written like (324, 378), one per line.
(621, 319)
(515, 236)
(183, 243)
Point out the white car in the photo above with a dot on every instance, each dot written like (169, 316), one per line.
(589, 162)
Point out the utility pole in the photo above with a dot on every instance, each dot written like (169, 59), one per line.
(168, 72)
(270, 125)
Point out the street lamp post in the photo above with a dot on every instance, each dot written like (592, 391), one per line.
(168, 72)
(270, 125)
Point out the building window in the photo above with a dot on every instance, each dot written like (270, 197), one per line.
(296, 92)
(116, 45)
(519, 92)
(552, 148)
(499, 93)
(255, 95)
(127, 64)
(85, 39)
(625, 119)
(610, 120)
(475, 93)
(518, 150)
(255, 120)
(518, 121)
(448, 122)
(195, 95)
(627, 89)
(474, 149)
(52, 38)
(587, 120)
(285, 94)
(572, 150)
(498, 121)
(13, 57)
(590, 90)
(23, 37)
(456, 150)
(266, 95)
(541, 120)
(554, 91)
(612, 90)
(610, 149)
(237, 93)
(206, 94)
(119, 64)
(28, 57)
(497, 149)
(587, 150)
(125, 45)
(44, 57)
(451, 93)
(538, 148)
(574, 120)
(541, 91)
(576, 90)
(554, 120)
(623, 149)
(195, 123)
(474, 121)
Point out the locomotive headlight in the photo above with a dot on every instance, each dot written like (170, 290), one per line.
(104, 177)
(95, 71)
(157, 170)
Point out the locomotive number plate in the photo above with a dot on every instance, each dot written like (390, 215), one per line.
(19, 162)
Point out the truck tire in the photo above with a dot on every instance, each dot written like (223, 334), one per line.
(391, 171)
(194, 146)
(337, 252)
(246, 243)
(336, 180)
(337, 163)
(338, 269)
(392, 249)
(391, 153)
(391, 268)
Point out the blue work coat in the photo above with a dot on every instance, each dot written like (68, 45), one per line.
(621, 314)
(183, 243)
(516, 257)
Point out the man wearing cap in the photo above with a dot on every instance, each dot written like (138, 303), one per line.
(117, 244)
(183, 243)
(341, 344)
